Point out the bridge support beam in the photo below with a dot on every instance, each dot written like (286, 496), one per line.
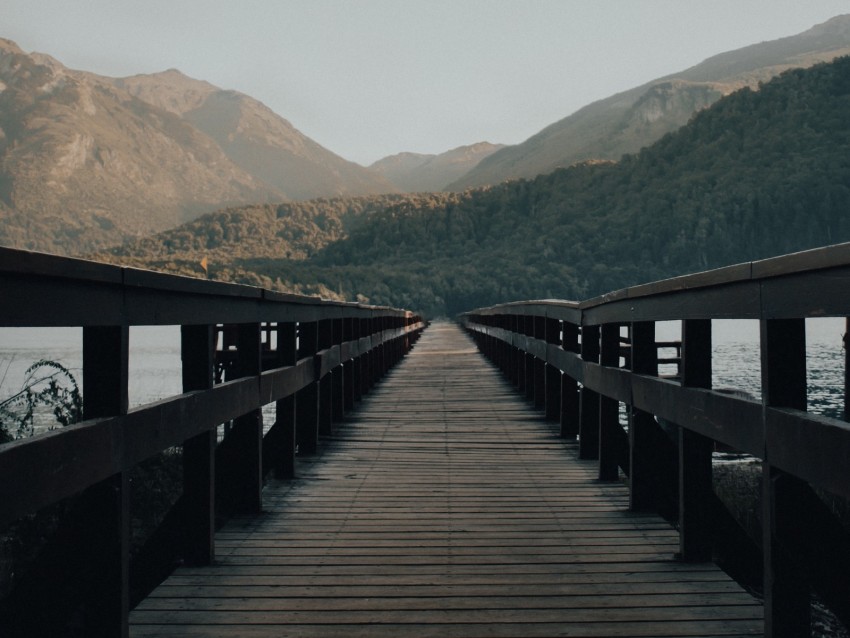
(239, 473)
(197, 352)
(570, 402)
(279, 442)
(649, 445)
(105, 383)
(307, 400)
(326, 383)
(589, 420)
(610, 431)
(787, 608)
(553, 375)
(694, 451)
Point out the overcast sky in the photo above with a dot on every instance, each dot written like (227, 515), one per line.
(370, 78)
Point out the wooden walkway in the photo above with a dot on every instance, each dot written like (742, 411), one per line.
(445, 507)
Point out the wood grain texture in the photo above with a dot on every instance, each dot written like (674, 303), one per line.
(445, 506)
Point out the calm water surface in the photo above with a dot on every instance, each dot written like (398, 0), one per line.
(155, 359)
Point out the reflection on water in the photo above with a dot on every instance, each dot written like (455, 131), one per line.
(155, 359)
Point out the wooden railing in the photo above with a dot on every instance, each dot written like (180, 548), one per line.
(313, 359)
(567, 357)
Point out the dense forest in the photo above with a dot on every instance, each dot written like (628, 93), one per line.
(760, 173)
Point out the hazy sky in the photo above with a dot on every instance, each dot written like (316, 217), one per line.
(369, 78)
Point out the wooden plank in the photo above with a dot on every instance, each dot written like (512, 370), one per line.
(444, 507)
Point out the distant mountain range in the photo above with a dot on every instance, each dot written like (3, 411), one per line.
(88, 161)
(759, 173)
(419, 173)
(633, 119)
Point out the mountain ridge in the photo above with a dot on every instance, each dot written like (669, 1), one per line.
(86, 162)
(756, 174)
(601, 130)
(418, 172)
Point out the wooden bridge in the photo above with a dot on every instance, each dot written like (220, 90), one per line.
(447, 500)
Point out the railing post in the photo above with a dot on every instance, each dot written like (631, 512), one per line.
(529, 359)
(518, 328)
(589, 419)
(787, 609)
(197, 352)
(539, 365)
(845, 342)
(609, 409)
(553, 375)
(105, 384)
(280, 440)
(307, 399)
(241, 471)
(695, 473)
(337, 378)
(326, 399)
(645, 458)
(570, 403)
(349, 371)
(504, 360)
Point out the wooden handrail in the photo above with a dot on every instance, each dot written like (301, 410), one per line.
(328, 354)
(536, 344)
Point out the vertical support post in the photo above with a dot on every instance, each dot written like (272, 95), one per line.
(197, 352)
(502, 348)
(285, 413)
(326, 400)
(570, 404)
(539, 365)
(695, 473)
(609, 409)
(357, 362)
(105, 383)
(519, 355)
(243, 490)
(846, 343)
(307, 400)
(644, 462)
(349, 370)
(530, 376)
(337, 378)
(588, 447)
(553, 375)
(364, 370)
(787, 610)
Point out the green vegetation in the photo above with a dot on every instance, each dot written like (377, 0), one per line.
(48, 386)
(758, 174)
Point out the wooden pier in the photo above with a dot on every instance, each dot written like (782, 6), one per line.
(446, 506)
(469, 486)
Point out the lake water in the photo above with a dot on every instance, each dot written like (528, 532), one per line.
(155, 359)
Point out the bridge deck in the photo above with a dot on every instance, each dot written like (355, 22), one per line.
(446, 507)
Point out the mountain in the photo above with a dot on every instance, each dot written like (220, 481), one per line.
(759, 173)
(418, 173)
(88, 161)
(633, 119)
(256, 139)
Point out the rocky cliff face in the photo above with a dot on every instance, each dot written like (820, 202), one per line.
(88, 161)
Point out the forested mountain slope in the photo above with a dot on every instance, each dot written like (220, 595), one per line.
(760, 173)
(633, 119)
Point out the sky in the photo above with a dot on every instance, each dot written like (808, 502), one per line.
(371, 78)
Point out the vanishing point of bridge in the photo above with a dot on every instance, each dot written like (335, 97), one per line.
(405, 487)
